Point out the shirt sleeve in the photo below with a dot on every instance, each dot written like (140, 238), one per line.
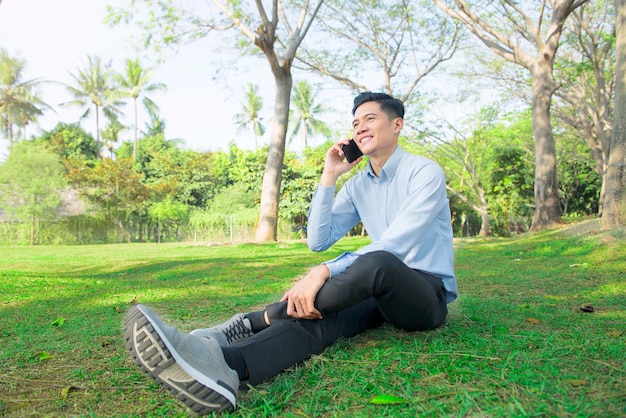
(340, 263)
(329, 220)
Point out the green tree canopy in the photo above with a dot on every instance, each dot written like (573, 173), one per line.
(71, 143)
(31, 183)
(114, 188)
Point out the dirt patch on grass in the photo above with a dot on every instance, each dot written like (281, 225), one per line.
(590, 226)
(593, 227)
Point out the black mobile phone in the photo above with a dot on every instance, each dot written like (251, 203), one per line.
(351, 151)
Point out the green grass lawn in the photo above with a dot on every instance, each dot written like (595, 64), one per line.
(517, 342)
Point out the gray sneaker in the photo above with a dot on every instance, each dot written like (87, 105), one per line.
(192, 368)
(235, 329)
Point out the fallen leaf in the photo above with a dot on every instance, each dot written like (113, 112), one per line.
(615, 333)
(118, 309)
(533, 321)
(134, 301)
(43, 355)
(587, 307)
(58, 322)
(577, 382)
(66, 391)
(387, 400)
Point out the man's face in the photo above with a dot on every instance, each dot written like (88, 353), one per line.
(373, 132)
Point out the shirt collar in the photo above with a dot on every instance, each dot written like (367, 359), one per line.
(390, 167)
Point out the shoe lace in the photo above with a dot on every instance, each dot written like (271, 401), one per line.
(236, 331)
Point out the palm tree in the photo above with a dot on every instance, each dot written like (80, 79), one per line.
(250, 115)
(111, 134)
(134, 83)
(306, 122)
(155, 125)
(19, 103)
(94, 88)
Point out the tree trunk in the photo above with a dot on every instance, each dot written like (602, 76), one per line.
(255, 128)
(270, 194)
(485, 227)
(547, 203)
(9, 123)
(123, 230)
(485, 230)
(614, 213)
(98, 130)
(32, 229)
(135, 129)
(304, 135)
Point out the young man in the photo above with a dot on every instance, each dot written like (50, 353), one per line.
(404, 277)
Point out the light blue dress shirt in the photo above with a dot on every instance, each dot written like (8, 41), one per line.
(404, 210)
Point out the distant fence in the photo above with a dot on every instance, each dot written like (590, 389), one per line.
(89, 230)
(83, 229)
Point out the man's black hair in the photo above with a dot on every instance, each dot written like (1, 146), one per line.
(392, 107)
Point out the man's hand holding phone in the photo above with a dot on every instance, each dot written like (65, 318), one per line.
(336, 162)
(351, 151)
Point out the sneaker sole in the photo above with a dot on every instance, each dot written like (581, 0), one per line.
(150, 352)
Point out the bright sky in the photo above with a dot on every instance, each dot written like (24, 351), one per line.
(54, 37)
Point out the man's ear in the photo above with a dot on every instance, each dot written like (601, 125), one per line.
(398, 124)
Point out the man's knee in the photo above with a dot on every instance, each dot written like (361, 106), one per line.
(377, 259)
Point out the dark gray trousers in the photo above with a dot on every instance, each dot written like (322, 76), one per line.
(377, 287)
